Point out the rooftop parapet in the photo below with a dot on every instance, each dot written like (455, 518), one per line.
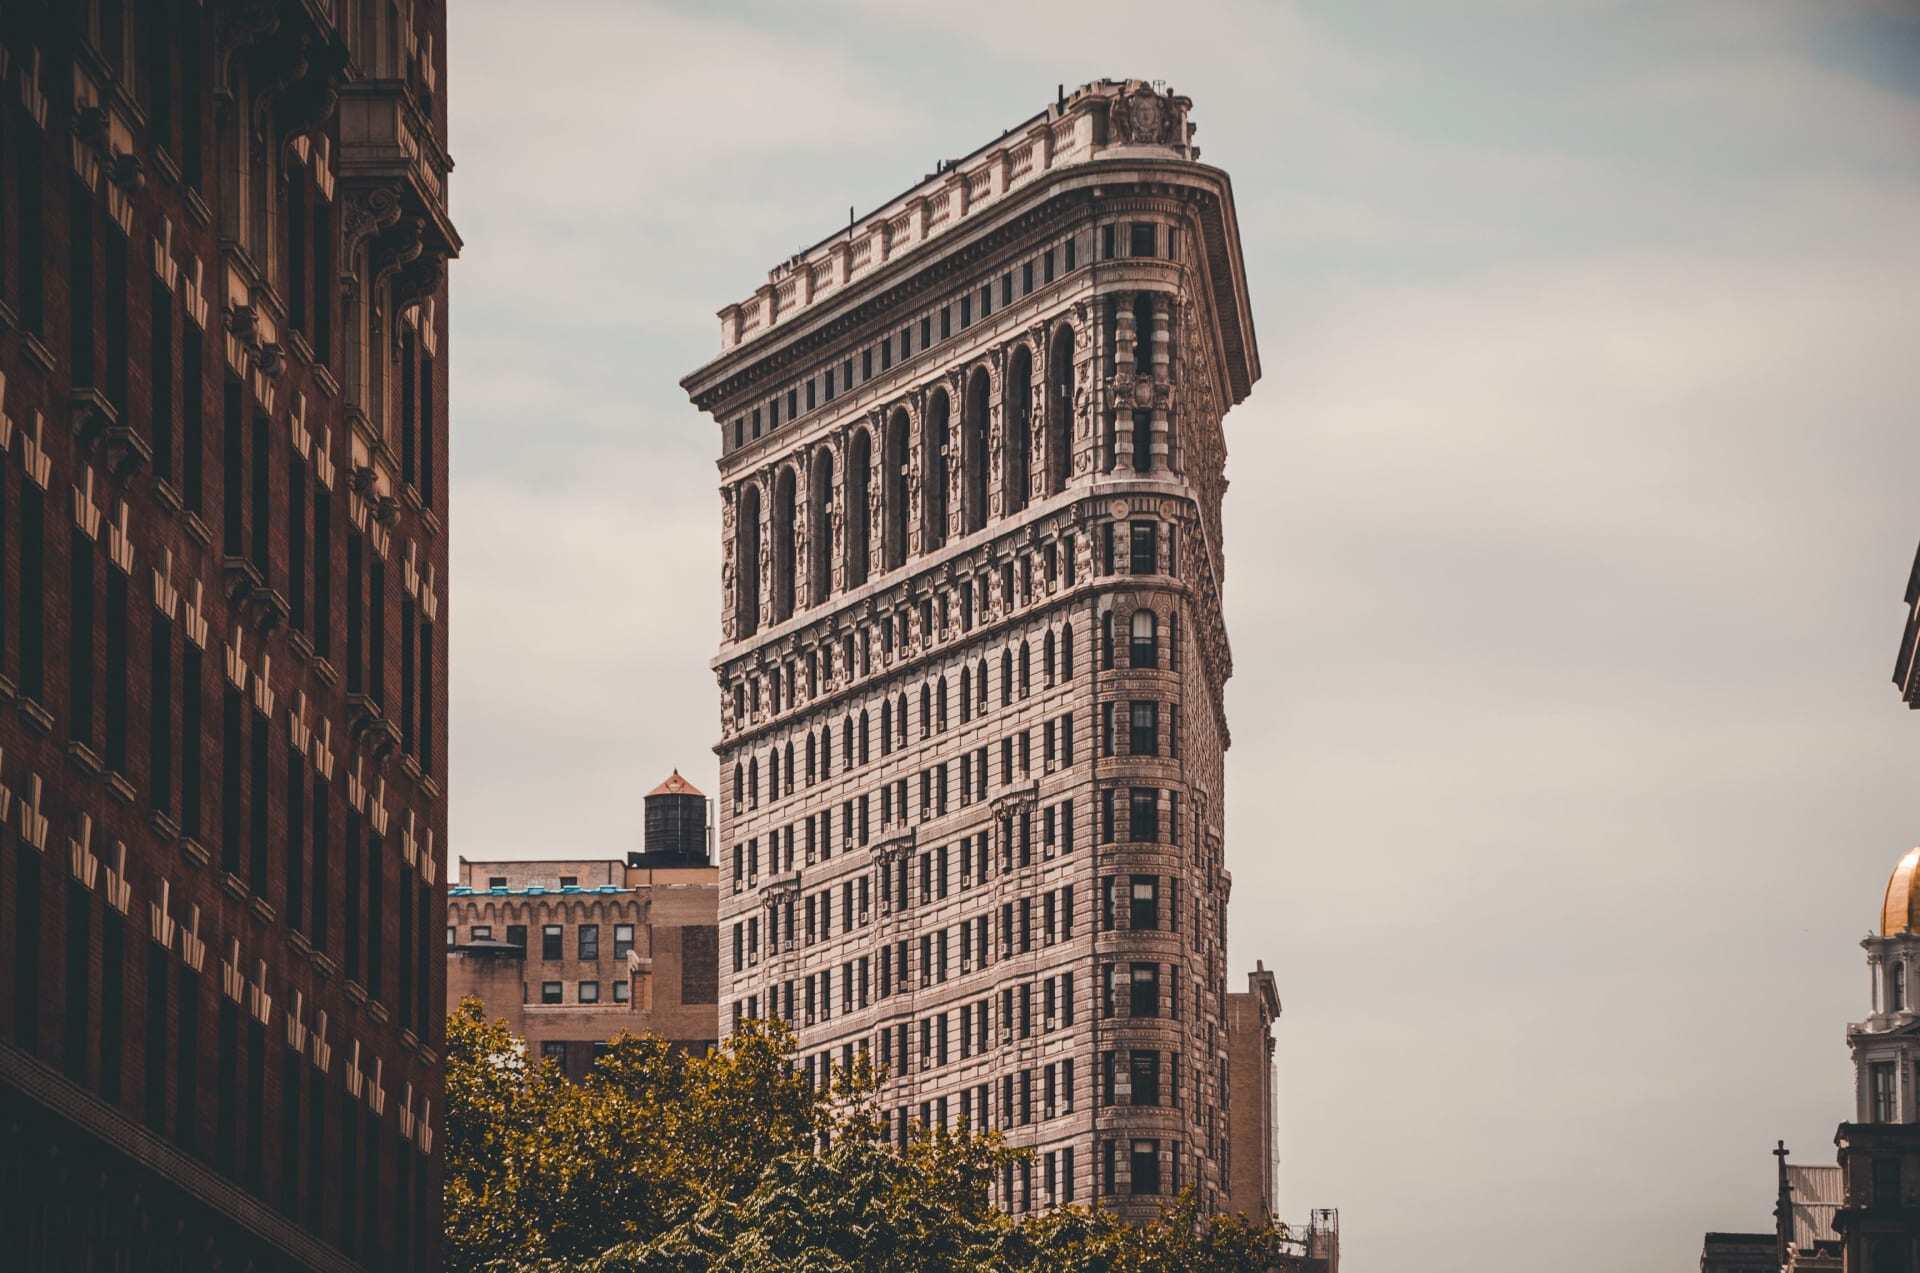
(1107, 118)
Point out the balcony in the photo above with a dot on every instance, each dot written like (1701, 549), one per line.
(387, 147)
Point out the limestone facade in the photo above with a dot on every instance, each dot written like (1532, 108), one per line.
(972, 660)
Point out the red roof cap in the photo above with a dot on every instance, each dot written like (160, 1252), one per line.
(675, 785)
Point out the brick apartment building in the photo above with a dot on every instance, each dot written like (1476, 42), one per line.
(223, 482)
(572, 953)
(1247, 1155)
(973, 659)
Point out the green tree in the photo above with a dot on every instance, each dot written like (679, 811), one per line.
(665, 1162)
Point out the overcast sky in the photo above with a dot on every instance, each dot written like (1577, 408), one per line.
(1566, 540)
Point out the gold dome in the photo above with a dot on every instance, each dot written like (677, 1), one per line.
(1900, 912)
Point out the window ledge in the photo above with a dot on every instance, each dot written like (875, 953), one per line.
(36, 713)
(194, 851)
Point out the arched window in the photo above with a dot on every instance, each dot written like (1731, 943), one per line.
(934, 468)
(821, 497)
(1066, 652)
(846, 741)
(858, 479)
(739, 784)
(753, 783)
(813, 759)
(1048, 652)
(966, 697)
(926, 710)
(1060, 411)
(746, 560)
(893, 490)
(784, 560)
(826, 752)
(900, 721)
(940, 702)
(886, 726)
(866, 728)
(1019, 438)
(1026, 669)
(1143, 650)
(973, 451)
(980, 683)
(1006, 677)
(1106, 641)
(788, 786)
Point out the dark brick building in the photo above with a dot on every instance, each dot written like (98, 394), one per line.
(223, 475)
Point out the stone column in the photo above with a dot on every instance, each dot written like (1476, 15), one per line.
(916, 496)
(1162, 448)
(956, 454)
(1125, 368)
(996, 456)
(765, 480)
(1037, 418)
(803, 461)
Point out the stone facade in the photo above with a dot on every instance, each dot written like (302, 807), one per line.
(223, 441)
(644, 944)
(973, 659)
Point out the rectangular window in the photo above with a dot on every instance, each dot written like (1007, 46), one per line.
(589, 941)
(117, 659)
(80, 640)
(1882, 1092)
(1143, 736)
(186, 1096)
(621, 991)
(622, 940)
(1144, 911)
(1143, 554)
(549, 992)
(589, 992)
(1144, 1001)
(1072, 263)
(154, 1054)
(1142, 234)
(161, 365)
(966, 312)
(1144, 1167)
(552, 948)
(1026, 278)
(321, 878)
(1143, 815)
(1106, 242)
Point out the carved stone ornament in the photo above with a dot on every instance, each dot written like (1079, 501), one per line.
(366, 211)
(1142, 118)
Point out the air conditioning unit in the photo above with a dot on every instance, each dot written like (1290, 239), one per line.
(926, 1062)
(1046, 1025)
(863, 915)
(809, 1017)
(966, 963)
(1048, 1112)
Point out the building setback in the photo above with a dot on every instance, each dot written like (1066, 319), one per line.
(973, 658)
(223, 479)
(572, 953)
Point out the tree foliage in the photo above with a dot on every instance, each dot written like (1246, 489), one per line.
(665, 1162)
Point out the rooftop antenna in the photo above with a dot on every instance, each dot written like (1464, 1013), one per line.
(1060, 95)
(849, 223)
